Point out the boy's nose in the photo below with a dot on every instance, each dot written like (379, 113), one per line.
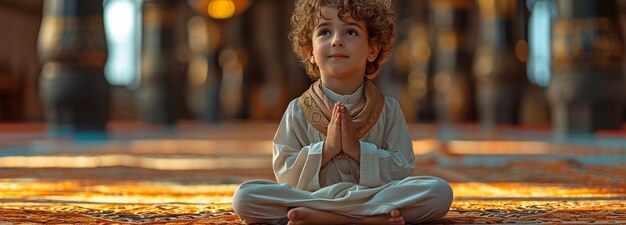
(337, 42)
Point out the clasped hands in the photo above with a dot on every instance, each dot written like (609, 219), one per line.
(341, 135)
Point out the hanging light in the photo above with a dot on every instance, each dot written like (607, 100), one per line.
(221, 9)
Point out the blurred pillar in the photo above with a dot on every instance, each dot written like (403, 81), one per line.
(622, 23)
(268, 92)
(73, 50)
(159, 92)
(224, 88)
(451, 35)
(203, 98)
(296, 78)
(586, 92)
(499, 73)
(233, 62)
(232, 86)
(411, 58)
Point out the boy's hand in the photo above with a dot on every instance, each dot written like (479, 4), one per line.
(349, 142)
(332, 145)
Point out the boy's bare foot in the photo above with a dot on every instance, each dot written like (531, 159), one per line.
(395, 217)
(303, 215)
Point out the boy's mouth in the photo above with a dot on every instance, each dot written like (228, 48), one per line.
(338, 55)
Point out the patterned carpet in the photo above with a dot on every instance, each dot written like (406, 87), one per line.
(170, 181)
(583, 197)
(462, 212)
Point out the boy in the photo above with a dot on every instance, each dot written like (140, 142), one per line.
(342, 152)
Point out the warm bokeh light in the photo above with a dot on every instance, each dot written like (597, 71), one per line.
(513, 190)
(418, 84)
(209, 154)
(521, 50)
(138, 192)
(122, 192)
(425, 146)
(148, 162)
(524, 148)
(152, 154)
(221, 9)
(498, 147)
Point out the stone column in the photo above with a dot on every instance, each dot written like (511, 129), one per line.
(268, 91)
(586, 92)
(622, 23)
(499, 73)
(203, 98)
(161, 75)
(451, 24)
(410, 61)
(73, 50)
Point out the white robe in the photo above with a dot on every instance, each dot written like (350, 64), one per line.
(380, 183)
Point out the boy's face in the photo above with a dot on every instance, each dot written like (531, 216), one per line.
(340, 48)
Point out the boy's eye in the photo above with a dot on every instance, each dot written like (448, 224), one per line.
(324, 33)
(352, 33)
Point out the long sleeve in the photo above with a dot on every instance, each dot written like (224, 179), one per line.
(296, 161)
(386, 152)
(395, 159)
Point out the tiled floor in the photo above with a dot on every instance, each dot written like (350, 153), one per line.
(187, 175)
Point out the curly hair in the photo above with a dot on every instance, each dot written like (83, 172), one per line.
(377, 14)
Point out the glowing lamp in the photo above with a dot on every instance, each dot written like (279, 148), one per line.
(221, 9)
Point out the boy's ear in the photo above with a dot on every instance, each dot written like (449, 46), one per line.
(309, 52)
(374, 48)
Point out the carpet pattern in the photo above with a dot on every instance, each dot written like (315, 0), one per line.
(188, 179)
(122, 214)
(462, 212)
(538, 193)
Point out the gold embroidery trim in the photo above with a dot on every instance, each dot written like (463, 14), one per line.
(313, 113)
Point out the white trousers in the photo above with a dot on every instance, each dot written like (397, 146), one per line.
(419, 199)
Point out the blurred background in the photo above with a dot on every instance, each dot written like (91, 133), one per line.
(78, 66)
(155, 110)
